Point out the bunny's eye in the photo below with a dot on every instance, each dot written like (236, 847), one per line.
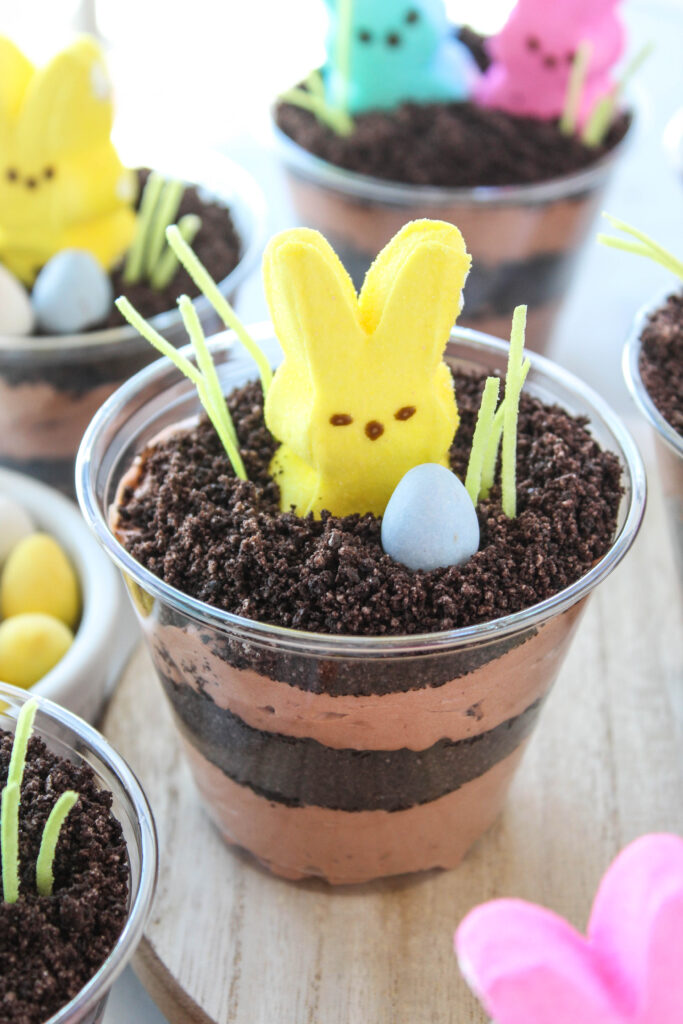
(48, 172)
(405, 412)
(11, 174)
(365, 36)
(341, 419)
(412, 16)
(532, 43)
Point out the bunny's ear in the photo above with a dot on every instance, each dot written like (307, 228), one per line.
(637, 924)
(587, 11)
(526, 964)
(311, 297)
(413, 291)
(16, 72)
(68, 105)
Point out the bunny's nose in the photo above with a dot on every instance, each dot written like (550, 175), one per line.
(374, 429)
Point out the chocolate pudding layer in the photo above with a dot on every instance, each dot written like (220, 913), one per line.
(47, 401)
(661, 360)
(351, 848)
(50, 946)
(350, 767)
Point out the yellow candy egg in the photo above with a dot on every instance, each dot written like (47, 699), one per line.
(38, 577)
(30, 645)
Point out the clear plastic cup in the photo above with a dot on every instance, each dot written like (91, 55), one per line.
(69, 736)
(348, 758)
(525, 240)
(51, 386)
(668, 443)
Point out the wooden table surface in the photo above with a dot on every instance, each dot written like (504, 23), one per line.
(228, 943)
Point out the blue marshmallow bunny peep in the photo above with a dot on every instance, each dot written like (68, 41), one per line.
(397, 51)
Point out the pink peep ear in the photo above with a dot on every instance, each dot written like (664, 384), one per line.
(526, 964)
(636, 927)
(588, 10)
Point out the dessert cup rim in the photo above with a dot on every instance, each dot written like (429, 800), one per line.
(245, 192)
(631, 369)
(330, 645)
(370, 188)
(100, 983)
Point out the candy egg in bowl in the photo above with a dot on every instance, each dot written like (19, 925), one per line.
(78, 629)
(63, 347)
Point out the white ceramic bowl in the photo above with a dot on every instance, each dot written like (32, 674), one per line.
(107, 631)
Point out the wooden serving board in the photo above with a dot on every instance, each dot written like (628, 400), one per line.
(229, 944)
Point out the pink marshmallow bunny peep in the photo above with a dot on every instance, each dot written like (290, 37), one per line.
(529, 966)
(532, 56)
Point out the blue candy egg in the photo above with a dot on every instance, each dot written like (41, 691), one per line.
(72, 292)
(430, 521)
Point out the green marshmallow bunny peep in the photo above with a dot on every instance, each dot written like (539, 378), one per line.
(382, 53)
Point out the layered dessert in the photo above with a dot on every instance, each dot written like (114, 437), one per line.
(76, 228)
(660, 376)
(354, 767)
(653, 367)
(345, 715)
(65, 877)
(514, 147)
(661, 360)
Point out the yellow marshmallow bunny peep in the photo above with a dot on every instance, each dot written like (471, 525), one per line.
(363, 394)
(62, 184)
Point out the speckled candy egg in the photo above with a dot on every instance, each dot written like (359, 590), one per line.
(430, 521)
(38, 577)
(72, 292)
(15, 524)
(16, 312)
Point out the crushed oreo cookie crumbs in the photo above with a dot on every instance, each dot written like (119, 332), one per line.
(50, 946)
(661, 360)
(449, 145)
(225, 542)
